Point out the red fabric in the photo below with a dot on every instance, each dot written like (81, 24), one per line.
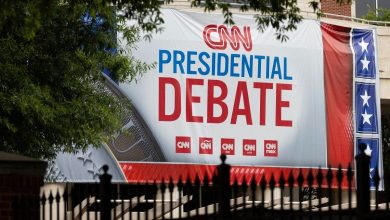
(150, 172)
(338, 76)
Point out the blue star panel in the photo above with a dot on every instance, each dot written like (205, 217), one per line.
(366, 109)
(364, 47)
(373, 148)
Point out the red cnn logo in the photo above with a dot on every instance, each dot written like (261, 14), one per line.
(227, 146)
(270, 148)
(205, 145)
(249, 147)
(183, 144)
(234, 37)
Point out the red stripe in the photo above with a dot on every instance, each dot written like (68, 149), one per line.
(338, 76)
(150, 172)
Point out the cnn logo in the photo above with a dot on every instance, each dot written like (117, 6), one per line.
(249, 147)
(218, 36)
(270, 148)
(205, 145)
(227, 146)
(183, 144)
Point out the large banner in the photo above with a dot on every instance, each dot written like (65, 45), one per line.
(233, 90)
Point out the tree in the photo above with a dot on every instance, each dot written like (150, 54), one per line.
(282, 15)
(382, 14)
(52, 53)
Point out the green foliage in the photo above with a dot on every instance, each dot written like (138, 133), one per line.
(283, 16)
(52, 92)
(383, 15)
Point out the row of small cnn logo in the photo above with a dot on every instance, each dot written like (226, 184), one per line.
(227, 145)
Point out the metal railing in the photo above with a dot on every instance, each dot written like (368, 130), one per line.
(358, 20)
(317, 194)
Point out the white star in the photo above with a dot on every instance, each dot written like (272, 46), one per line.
(365, 63)
(363, 45)
(366, 117)
(371, 169)
(94, 170)
(85, 157)
(365, 98)
(368, 150)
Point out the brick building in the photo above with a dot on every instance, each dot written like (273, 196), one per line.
(332, 7)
